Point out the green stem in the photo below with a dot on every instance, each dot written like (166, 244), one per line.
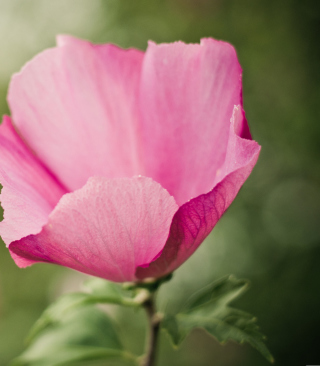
(154, 320)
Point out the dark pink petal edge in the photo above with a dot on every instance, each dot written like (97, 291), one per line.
(194, 220)
(105, 229)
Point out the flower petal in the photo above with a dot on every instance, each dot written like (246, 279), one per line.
(75, 105)
(29, 191)
(187, 97)
(194, 220)
(106, 229)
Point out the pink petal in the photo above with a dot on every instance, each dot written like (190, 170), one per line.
(195, 219)
(187, 97)
(101, 111)
(29, 191)
(106, 229)
(75, 105)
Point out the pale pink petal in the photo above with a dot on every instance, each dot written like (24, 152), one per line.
(29, 191)
(106, 229)
(195, 219)
(75, 105)
(187, 97)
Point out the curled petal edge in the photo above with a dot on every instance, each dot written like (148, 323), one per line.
(195, 219)
(193, 223)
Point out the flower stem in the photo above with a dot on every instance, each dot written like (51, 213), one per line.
(154, 320)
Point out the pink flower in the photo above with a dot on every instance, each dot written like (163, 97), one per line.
(119, 163)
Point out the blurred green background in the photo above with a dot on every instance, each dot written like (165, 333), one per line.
(271, 233)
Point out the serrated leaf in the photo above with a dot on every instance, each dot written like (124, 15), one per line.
(221, 292)
(86, 333)
(209, 310)
(228, 324)
(172, 326)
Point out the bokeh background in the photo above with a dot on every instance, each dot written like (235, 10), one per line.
(271, 233)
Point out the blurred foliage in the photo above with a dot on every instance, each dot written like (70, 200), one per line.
(84, 333)
(271, 233)
(73, 329)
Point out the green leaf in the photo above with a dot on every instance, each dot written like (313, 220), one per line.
(69, 356)
(172, 326)
(56, 312)
(219, 293)
(84, 334)
(101, 291)
(208, 309)
(107, 291)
